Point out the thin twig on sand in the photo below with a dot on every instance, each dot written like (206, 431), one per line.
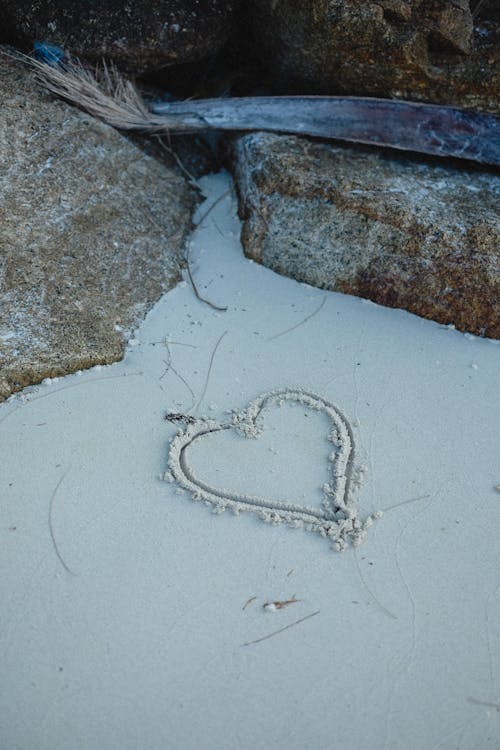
(188, 264)
(371, 593)
(197, 294)
(487, 704)
(405, 502)
(275, 632)
(300, 323)
(51, 527)
(210, 365)
(211, 208)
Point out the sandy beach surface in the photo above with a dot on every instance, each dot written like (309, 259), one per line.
(133, 618)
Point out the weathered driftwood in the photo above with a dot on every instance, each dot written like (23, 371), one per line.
(409, 126)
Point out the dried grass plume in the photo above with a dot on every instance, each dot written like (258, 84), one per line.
(102, 92)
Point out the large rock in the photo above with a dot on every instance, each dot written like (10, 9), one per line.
(91, 235)
(408, 49)
(410, 234)
(138, 36)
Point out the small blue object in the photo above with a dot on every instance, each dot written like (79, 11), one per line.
(48, 53)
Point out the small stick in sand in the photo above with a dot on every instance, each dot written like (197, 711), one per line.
(197, 294)
(300, 323)
(275, 632)
(51, 527)
(405, 502)
(169, 367)
(211, 208)
(487, 704)
(210, 365)
(248, 602)
(371, 593)
(188, 265)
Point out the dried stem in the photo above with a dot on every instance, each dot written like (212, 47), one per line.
(275, 632)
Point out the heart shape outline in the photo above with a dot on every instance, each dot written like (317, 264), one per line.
(337, 518)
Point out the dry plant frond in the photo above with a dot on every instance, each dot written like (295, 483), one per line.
(402, 125)
(103, 92)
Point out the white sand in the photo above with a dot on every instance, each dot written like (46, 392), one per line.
(123, 612)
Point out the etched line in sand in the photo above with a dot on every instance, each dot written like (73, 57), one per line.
(337, 517)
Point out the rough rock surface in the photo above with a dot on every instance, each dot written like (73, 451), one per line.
(409, 49)
(410, 234)
(91, 234)
(138, 36)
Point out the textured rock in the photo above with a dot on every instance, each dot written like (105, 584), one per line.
(410, 49)
(91, 235)
(138, 36)
(410, 234)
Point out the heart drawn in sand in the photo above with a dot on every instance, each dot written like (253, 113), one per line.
(337, 518)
